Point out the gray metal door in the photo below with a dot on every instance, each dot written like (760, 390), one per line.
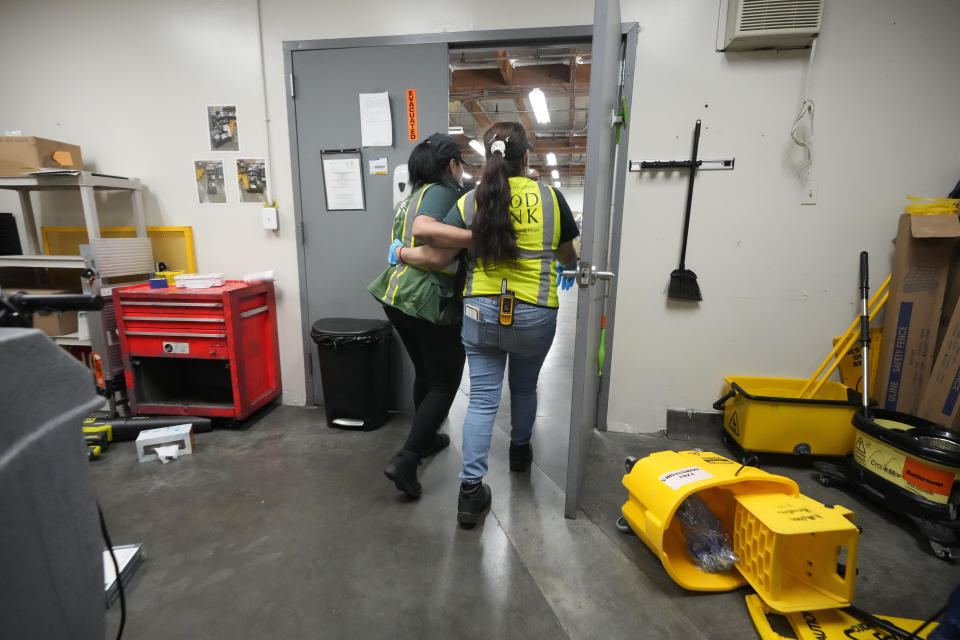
(344, 251)
(603, 172)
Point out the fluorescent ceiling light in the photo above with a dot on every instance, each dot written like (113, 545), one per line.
(555, 174)
(466, 176)
(455, 131)
(539, 103)
(552, 159)
(556, 183)
(476, 146)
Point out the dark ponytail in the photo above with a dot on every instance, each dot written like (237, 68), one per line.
(494, 238)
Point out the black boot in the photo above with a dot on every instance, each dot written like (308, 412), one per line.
(521, 455)
(402, 469)
(474, 500)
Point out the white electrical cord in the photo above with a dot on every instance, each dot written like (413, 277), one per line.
(806, 111)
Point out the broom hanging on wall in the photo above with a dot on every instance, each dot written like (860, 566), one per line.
(683, 281)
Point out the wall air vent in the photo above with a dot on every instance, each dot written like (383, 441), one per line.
(772, 24)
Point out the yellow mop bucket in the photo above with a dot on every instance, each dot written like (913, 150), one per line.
(788, 544)
(768, 415)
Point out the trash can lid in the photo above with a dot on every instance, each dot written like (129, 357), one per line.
(350, 327)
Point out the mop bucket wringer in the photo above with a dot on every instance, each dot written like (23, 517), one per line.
(789, 546)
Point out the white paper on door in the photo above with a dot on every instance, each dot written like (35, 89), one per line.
(343, 182)
(376, 125)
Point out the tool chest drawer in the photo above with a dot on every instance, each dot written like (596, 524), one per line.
(167, 335)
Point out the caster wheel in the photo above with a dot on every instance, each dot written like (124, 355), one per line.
(825, 480)
(622, 525)
(942, 551)
(628, 463)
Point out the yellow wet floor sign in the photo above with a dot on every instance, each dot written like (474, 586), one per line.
(829, 624)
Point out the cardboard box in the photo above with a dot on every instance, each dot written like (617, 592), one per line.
(53, 324)
(921, 263)
(941, 398)
(21, 154)
(150, 439)
(951, 296)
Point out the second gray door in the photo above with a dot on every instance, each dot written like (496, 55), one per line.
(345, 250)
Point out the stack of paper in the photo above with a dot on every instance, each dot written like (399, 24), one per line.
(199, 280)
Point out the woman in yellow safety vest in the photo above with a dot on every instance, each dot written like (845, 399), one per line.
(520, 227)
(423, 304)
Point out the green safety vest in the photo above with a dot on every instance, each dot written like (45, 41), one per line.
(535, 214)
(429, 294)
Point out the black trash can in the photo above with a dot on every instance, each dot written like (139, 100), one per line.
(355, 370)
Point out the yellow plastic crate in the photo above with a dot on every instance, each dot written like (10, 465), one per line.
(789, 548)
(768, 415)
(172, 245)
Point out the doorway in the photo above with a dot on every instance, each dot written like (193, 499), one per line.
(338, 251)
(491, 84)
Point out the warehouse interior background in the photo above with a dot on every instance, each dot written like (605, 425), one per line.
(128, 80)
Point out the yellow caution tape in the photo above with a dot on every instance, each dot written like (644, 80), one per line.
(932, 206)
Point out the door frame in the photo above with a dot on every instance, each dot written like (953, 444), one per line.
(456, 39)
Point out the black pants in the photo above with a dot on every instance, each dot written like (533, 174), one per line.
(437, 355)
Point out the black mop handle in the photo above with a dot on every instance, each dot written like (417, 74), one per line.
(686, 215)
(865, 331)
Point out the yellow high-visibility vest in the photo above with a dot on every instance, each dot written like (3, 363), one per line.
(535, 214)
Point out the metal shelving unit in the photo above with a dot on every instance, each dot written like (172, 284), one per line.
(102, 260)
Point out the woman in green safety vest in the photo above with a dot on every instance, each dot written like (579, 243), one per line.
(519, 228)
(423, 304)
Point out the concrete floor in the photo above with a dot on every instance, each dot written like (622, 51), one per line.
(288, 529)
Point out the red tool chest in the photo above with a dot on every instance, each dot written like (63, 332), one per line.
(201, 352)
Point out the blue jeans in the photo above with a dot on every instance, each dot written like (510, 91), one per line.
(490, 348)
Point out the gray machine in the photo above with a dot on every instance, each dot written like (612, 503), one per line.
(50, 542)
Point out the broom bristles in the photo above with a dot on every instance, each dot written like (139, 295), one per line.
(683, 285)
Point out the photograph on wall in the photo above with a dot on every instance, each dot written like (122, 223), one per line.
(222, 126)
(210, 187)
(252, 179)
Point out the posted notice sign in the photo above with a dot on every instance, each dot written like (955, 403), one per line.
(411, 114)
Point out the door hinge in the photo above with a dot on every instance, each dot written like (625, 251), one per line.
(303, 233)
(292, 91)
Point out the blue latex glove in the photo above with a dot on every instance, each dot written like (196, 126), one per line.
(392, 254)
(565, 282)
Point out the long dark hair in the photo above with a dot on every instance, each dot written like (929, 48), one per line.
(494, 238)
(430, 162)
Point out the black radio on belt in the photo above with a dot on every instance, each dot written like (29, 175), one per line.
(506, 304)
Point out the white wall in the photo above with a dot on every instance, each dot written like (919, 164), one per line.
(128, 81)
(778, 279)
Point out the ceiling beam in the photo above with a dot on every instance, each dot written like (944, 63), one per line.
(576, 144)
(546, 76)
(576, 171)
(477, 111)
(504, 67)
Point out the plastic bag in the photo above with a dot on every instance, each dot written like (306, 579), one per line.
(707, 543)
